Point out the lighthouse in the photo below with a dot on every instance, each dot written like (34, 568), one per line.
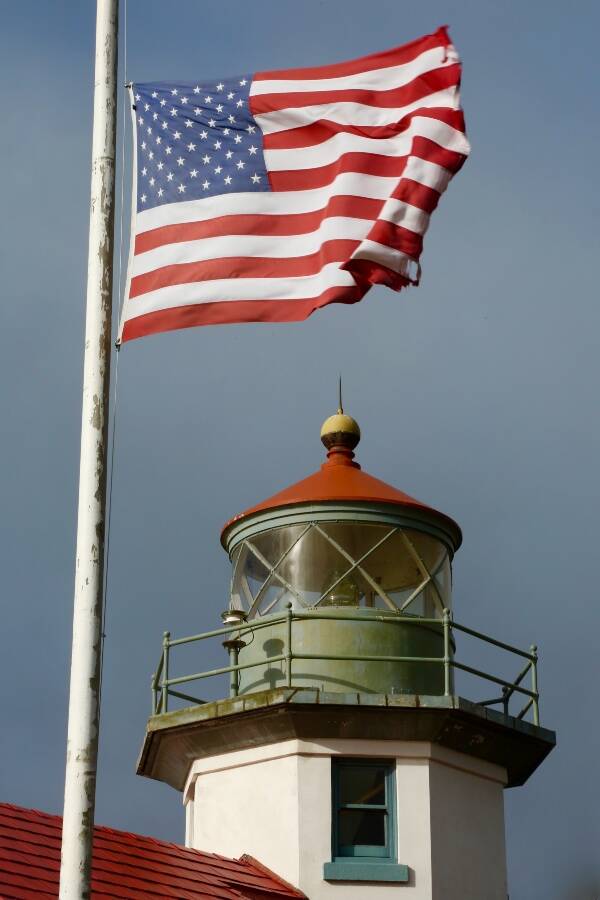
(358, 746)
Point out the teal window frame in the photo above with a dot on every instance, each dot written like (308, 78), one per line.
(387, 852)
(360, 862)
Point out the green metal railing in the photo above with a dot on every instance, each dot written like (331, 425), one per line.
(163, 686)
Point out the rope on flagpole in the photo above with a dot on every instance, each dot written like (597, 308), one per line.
(113, 418)
(122, 191)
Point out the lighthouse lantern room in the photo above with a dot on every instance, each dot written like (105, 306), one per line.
(345, 757)
(354, 551)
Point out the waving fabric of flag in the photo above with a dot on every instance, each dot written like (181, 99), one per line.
(264, 197)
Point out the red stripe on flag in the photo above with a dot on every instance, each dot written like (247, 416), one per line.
(321, 130)
(395, 57)
(398, 238)
(422, 86)
(243, 267)
(263, 225)
(367, 163)
(417, 194)
(237, 311)
(366, 272)
(427, 149)
(318, 132)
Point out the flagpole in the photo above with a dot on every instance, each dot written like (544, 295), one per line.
(84, 695)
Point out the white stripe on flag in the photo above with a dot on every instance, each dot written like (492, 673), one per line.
(404, 214)
(374, 187)
(400, 145)
(228, 289)
(427, 173)
(347, 113)
(275, 247)
(387, 256)
(371, 80)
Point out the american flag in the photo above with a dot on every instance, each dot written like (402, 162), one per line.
(264, 197)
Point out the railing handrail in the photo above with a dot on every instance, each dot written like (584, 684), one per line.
(330, 614)
(490, 640)
(162, 685)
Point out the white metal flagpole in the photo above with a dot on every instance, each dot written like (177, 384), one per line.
(82, 739)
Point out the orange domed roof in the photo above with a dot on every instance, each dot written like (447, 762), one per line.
(341, 479)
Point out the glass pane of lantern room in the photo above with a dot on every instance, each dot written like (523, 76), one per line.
(437, 594)
(274, 597)
(401, 565)
(253, 585)
(314, 568)
(249, 574)
(357, 539)
(312, 565)
(275, 542)
(235, 601)
(443, 580)
(429, 549)
(392, 566)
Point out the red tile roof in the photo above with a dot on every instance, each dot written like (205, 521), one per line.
(125, 865)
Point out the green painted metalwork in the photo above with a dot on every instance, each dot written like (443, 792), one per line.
(347, 653)
(375, 514)
(233, 646)
(447, 654)
(534, 686)
(312, 626)
(165, 670)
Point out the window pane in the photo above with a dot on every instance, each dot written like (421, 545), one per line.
(362, 784)
(364, 827)
(444, 581)
(274, 597)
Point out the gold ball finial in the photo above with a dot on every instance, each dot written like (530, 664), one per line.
(340, 430)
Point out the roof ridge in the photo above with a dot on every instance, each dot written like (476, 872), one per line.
(255, 863)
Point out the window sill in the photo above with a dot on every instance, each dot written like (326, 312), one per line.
(372, 870)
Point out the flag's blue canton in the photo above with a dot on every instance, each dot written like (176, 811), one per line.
(196, 140)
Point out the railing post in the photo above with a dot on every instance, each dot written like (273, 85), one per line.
(233, 645)
(505, 699)
(534, 685)
(164, 703)
(288, 655)
(233, 648)
(446, 652)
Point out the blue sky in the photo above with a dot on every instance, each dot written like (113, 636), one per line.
(476, 392)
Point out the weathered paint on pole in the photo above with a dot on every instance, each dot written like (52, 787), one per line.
(82, 740)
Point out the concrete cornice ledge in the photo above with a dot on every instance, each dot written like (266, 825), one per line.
(174, 740)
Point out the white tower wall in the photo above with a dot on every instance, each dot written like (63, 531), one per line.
(468, 850)
(274, 803)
